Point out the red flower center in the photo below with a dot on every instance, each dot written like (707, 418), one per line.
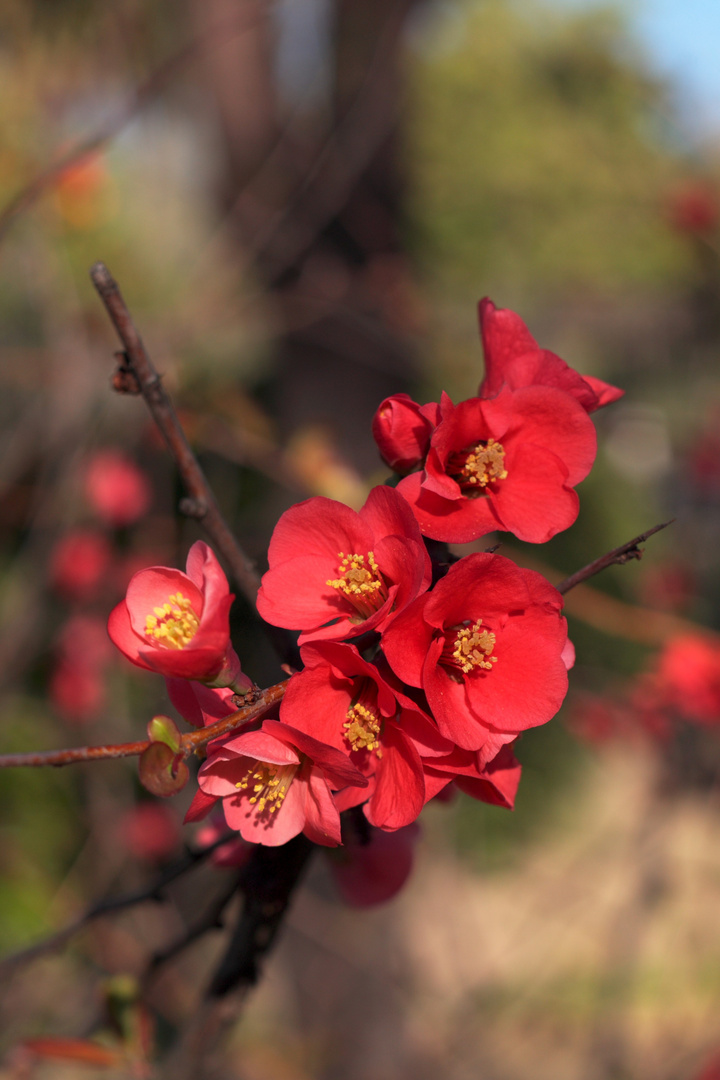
(363, 723)
(363, 585)
(468, 648)
(268, 783)
(478, 466)
(173, 625)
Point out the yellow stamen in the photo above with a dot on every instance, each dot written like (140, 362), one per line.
(481, 465)
(364, 586)
(362, 728)
(173, 625)
(269, 785)
(470, 648)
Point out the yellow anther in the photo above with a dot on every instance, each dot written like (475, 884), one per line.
(470, 648)
(362, 728)
(271, 785)
(481, 465)
(364, 586)
(173, 625)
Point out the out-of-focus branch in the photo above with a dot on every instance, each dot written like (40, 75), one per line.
(154, 891)
(201, 503)
(189, 742)
(144, 93)
(211, 919)
(618, 555)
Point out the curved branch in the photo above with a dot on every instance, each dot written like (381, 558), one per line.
(189, 742)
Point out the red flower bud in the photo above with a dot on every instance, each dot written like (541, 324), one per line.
(402, 430)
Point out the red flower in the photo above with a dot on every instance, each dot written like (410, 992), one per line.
(335, 573)
(345, 702)
(79, 562)
(402, 430)
(275, 783)
(509, 463)
(486, 646)
(513, 358)
(178, 624)
(118, 491)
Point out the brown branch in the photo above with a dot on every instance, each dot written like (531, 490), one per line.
(189, 742)
(619, 555)
(211, 919)
(118, 903)
(201, 503)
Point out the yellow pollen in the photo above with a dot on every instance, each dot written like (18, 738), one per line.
(362, 728)
(471, 648)
(269, 785)
(480, 466)
(175, 624)
(363, 585)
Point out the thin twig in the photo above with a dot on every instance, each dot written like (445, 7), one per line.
(619, 555)
(113, 904)
(211, 919)
(189, 742)
(201, 503)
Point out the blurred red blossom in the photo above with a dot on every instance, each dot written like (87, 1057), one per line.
(371, 869)
(77, 681)
(693, 208)
(149, 831)
(689, 678)
(116, 488)
(79, 563)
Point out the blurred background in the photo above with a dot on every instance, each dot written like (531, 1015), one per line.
(302, 202)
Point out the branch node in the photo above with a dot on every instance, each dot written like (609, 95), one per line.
(193, 508)
(124, 380)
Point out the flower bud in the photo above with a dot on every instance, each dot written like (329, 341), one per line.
(402, 432)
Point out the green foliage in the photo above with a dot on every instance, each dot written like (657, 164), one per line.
(537, 156)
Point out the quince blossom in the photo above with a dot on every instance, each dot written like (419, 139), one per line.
(507, 463)
(514, 359)
(275, 783)
(343, 700)
(486, 646)
(335, 573)
(178, 624)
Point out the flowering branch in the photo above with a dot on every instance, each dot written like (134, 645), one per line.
(137, 374)
(618, 555)
(189, 742)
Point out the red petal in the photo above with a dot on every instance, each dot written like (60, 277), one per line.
(200, 807)
(322, 820)
(399, 784)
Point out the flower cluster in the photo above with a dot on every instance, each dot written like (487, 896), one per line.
(417, 674)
